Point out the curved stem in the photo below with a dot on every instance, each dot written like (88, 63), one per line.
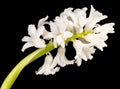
(10, 79)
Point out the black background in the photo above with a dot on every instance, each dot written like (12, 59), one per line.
(101, 72)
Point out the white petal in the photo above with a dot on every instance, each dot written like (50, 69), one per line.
(53, 28)
(106, 27)
(42, 21)
(40, 43)
(66, 12)
(60, 59)
(67, 34)
(94, 18)
(40, 30)
(46, 69)
(26, 39)
(78, 61)
(31, 30)
(46, 65)
(60, 41)
(89, 51)
(61, 24)
(83, 51)
(78, 45)
(81, 17)
(64, 60)
(26, 45)
(47, 35)
(97, 40)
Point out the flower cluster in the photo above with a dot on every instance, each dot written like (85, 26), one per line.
(72, 25)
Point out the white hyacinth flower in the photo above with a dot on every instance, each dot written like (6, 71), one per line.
(86, 33)
(46, 69)
(76, 19)
(42, 21)
(60, 34)
(79, 19)
(106, 27)
(99, 35)
(60, 59)
(34, 38)
(83, 51)
(46, 34)
(97, 39)
(94, 18)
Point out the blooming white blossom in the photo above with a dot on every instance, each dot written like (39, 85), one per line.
(46, 69)
(50, 64)
(46, 34)
(94, 18)
(73, 25)
(100, 32)
(34, 38)
(42, 21)
(108, 28)
(60, 59)
(60, 34)
(83, 51)
(76, 19)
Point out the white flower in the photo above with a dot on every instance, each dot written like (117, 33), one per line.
(83, 51)
(99, 35)
(46, 34)
(42, 21)
(86, 33)
(97, 40)
(34, 38)
(60, 59)
(46, 69)
(106, 27)
(79, 19)
(76, 19)
(94, 18)
(60, 34)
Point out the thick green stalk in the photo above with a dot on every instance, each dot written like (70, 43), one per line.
(10, 79)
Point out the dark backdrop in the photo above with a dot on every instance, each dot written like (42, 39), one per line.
(100, 72)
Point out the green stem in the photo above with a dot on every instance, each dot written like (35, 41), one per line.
(10, 79)
(12, 76)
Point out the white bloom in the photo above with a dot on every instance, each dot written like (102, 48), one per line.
(60, 34)
(69, 23)
(106, 27)
(76, 20)
(79, 19)
(83, 51)
(42, 21)
(46, 34)
(34, 38)
(97, 40)
(99, 35)
(94, 18)
(67, 12)
(60, 59)
(46, 69)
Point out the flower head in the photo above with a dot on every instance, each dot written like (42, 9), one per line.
(73, 25)
(94, 18)
(59, 31)
(46, 69)
(76, 19)
(60, 59)
(34, 38)
(83, 51)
